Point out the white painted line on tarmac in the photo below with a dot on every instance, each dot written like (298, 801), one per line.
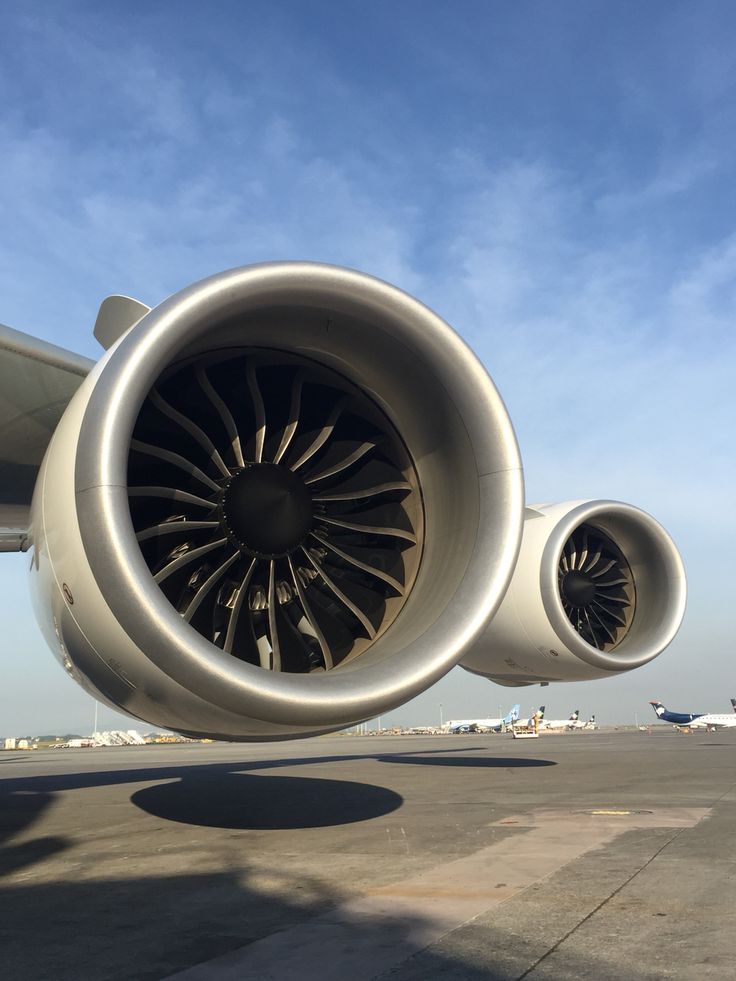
(366, 936)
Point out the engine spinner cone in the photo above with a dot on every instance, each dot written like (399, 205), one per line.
(266, 510)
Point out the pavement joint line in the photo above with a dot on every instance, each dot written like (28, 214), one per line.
(600, 905)
(368, 935)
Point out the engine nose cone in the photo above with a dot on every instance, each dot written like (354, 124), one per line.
(578, 589)
(267, 509)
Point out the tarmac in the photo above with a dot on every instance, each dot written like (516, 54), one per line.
(608, 856)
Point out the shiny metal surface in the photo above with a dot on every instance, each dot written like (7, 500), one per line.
(122, 636)
(659, 577)
(116, 315)
(532, 638)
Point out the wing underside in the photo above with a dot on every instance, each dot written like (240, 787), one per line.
(37, 380)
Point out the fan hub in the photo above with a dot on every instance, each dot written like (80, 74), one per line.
(266, 510)
(578, 588)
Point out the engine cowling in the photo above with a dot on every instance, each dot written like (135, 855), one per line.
(599, 588)
(286, 500)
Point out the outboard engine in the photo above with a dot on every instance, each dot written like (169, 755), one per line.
(599, 588)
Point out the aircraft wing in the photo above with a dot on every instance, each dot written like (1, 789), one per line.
(37, 380)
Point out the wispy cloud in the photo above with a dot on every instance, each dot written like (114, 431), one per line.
(579, 237)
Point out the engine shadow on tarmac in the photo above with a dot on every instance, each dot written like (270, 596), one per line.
(243, 801)
(60, 924)
(229, 794)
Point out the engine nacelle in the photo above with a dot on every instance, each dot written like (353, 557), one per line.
(599, 588)
(288, 499)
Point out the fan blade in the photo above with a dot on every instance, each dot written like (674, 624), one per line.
(355, 495)
(238, 606)
(322, 436)
(593, 561)
(175, 460)
(583, 552)
(355, 610)
(192, 429)
(206, 587)
(343, 459)
(609, 565)
(590, 628)
(259, 411)
(620, 600)
(371, 570)
(611, 636)
(224, 413)
(290, 429)
(614, 615)
(324, 646)
(170, 527)
(370, 529)
(172, 494)
(163, 574)
(272, 627)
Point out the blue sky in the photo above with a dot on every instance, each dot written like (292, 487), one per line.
(555, 179)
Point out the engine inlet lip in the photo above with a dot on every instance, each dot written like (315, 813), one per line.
(124, 377)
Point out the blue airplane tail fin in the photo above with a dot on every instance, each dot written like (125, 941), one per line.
(676, 718)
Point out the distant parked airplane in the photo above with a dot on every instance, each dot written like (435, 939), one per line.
(538, 715)
(572, 722)
(695, 720)
(579, 724)
(484, 725)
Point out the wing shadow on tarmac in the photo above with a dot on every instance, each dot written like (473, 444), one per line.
(510, 762)
(147, 928)
(105, 778)
(78, 920)
(19, 811)
(229, 795)
(105, 920)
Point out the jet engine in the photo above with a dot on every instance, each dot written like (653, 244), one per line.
(599, 588)
(287, 499)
